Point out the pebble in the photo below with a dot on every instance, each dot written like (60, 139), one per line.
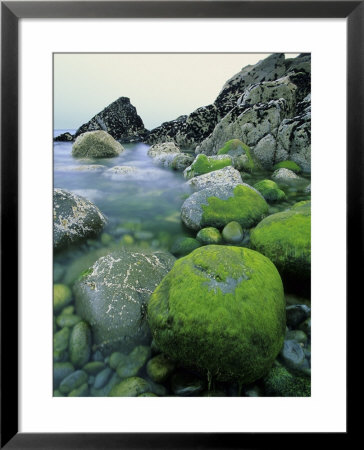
(80, 344)
(67, 320)
(73, 381)
(296, 314)
(60, 371)
(293, 356)
(233, 233)
(130, 387)
(81, 391)
(102, 378)
(160, 368)
(296, 335)
(61, 340)
(93, 367)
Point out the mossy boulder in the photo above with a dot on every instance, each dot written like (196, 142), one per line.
(270, 191)
(96, 144)
(209, 235)
(112, 296)
(220, 205)
(281, 383)
(184, 245)
(285, 238)
(240, 153)
(221, 310)
(62, 296)
(291, 165)
(74, 219)
(204, 164)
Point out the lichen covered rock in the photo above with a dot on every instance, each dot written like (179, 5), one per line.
(220, 205)
(96, 144)
(112, 295)
(74, 219)
(285, 238)
(223, 177)
(220, 310)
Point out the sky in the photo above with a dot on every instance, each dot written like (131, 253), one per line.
(160, 86)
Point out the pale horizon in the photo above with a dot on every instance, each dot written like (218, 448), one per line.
(160, 86)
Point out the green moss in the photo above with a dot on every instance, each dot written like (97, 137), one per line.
(204, 164)
(221, 310)
(236, 148)
(270, 190)
(85, 273)
(285, 238)
(209, 235)
(245, 207)
(281, 383)
(291, 165)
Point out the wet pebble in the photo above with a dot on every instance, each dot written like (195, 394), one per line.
(68, 320)
(60, 371)
(130, 387)
(296, 314)
(296, 335)
(80, 344)
(102, 378)
(93, 367)
(306, 327)
(160, 368)
(186, 384)
(81, 391)
(61, 340)
(293, 356)
(132, 363)
(233, 233)
(73, 381)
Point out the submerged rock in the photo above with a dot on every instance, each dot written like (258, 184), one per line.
(120, 119)
(96, 144)
(270, 191)
(220, 205)
(112, 296)
(221, 310)
(74, 219)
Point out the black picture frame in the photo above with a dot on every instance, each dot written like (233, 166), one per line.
(11, 12)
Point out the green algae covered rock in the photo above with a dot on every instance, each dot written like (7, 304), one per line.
(285, 238)
(220, 205)
(270, 190)
(281, 383)
(184, 245)
(204, 164)
(241, 154)
(291, 165)
(209, 235)
(111, 296)
(96, 144)
(220, 310)
(130, 387)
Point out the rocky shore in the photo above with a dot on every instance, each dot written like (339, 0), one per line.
(222, 309)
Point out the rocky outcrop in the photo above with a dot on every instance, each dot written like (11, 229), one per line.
(120, 119)
(64, 137)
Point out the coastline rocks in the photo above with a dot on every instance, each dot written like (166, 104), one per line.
(64, 137)
(285, 238)
(204, 164)
(220, 205)
(112, 294)
(222, 177)
(120, 119)
(161, 149)
(74, 219)
(270, 191)
(96, 144)
(209, 301)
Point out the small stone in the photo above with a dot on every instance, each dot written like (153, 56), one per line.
(61, 340)
(68, 320)
(80, 344)
(209, 235)
(160, 368)
(102, 378)
(131, 364)
(97, 356)
(130, 387)
(233, 233)
(115, 359)
(81, 391)
(62, 296)
(93, 367)
(306, 327)
(60, 371)
(148, 394)
(296, 335)
(73, 381)
(104, 392)
(293, 356)
(297, 314)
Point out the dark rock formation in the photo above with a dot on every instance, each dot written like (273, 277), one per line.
(64, 137)
(120, 119)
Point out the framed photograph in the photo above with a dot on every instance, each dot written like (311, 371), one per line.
(162, 257)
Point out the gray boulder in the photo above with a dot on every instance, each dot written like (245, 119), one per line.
(74, 219)
(112, 296)
(96, 144)
(223, 177)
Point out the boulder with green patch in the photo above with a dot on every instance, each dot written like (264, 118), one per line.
(96, 144)
(240, 154)
(221, 310)
(270, 191)
(220, 205)
(285, 238)
(291, 165)
(204, 164)
(112, 297)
